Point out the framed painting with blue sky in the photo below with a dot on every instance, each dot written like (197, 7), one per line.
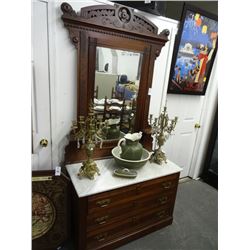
(194, 52)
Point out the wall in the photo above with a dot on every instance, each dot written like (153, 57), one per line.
(128, 63)
(174, 8)
(105, 56)
(62, 58)
(105, 83)
(120, 62)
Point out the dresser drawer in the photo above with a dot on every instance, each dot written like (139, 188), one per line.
(126, 226)
(95, 239)
(110, 199)
(129, 209)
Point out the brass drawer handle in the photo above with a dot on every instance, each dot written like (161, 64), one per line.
(166, 185)
(102, 220)
(161, 214)
(103, 203)
(101, 237)
(163, 200)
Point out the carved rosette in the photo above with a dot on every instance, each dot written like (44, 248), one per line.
(124, 14)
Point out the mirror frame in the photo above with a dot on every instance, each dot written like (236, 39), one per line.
(117, 27)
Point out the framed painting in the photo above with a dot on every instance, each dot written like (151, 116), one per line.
(194, 52)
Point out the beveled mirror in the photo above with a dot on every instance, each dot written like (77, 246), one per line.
(116, 51)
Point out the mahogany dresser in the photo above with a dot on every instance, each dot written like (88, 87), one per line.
(111, 211)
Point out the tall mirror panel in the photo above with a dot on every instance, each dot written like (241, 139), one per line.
(117, 80)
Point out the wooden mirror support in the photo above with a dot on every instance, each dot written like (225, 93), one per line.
(117, 27)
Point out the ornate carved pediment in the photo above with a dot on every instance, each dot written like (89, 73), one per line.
(118, 16)
(115, 17)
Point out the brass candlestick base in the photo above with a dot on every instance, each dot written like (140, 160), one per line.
(158, 157)
(89, 167)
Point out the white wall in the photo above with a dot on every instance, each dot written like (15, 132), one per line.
(105, 56)
(128, 63)
(62, 57)
(120, 62)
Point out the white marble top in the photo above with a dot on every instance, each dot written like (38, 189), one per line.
(106, 181)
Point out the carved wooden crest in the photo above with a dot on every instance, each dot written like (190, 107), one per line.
(117, 17)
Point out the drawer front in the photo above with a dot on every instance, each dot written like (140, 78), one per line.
(95, 221)
(126, 226)
(120, 197)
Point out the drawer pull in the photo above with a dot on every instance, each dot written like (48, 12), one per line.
(101, 237)
(166, 185)
(163, 200)
(103, 203)
(161, 214)
(102, 220)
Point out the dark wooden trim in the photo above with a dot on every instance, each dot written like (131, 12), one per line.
(207, 175)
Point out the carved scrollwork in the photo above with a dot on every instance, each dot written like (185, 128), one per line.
(165, 33)
(143, 25)
(157, 52)
(98, 13)
(111, 17)
(67, 9)
(106, 21)
(74, 36)
(118, 16)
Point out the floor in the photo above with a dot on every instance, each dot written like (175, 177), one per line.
(194, 226)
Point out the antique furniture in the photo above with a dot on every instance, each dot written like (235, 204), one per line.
(111, 211)
(119, 28)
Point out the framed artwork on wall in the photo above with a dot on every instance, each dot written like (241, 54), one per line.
(194, 52)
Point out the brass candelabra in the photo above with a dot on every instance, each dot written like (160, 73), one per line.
(84, 132)
(162, 127)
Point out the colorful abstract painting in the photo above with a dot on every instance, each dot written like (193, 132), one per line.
(194, 52)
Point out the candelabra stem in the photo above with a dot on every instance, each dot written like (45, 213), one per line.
(160, 126)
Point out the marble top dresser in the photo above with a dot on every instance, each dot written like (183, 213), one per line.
(110, 211)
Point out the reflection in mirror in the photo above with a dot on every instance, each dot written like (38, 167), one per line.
(117, 78)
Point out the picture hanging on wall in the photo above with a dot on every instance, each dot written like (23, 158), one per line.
(194, 52)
